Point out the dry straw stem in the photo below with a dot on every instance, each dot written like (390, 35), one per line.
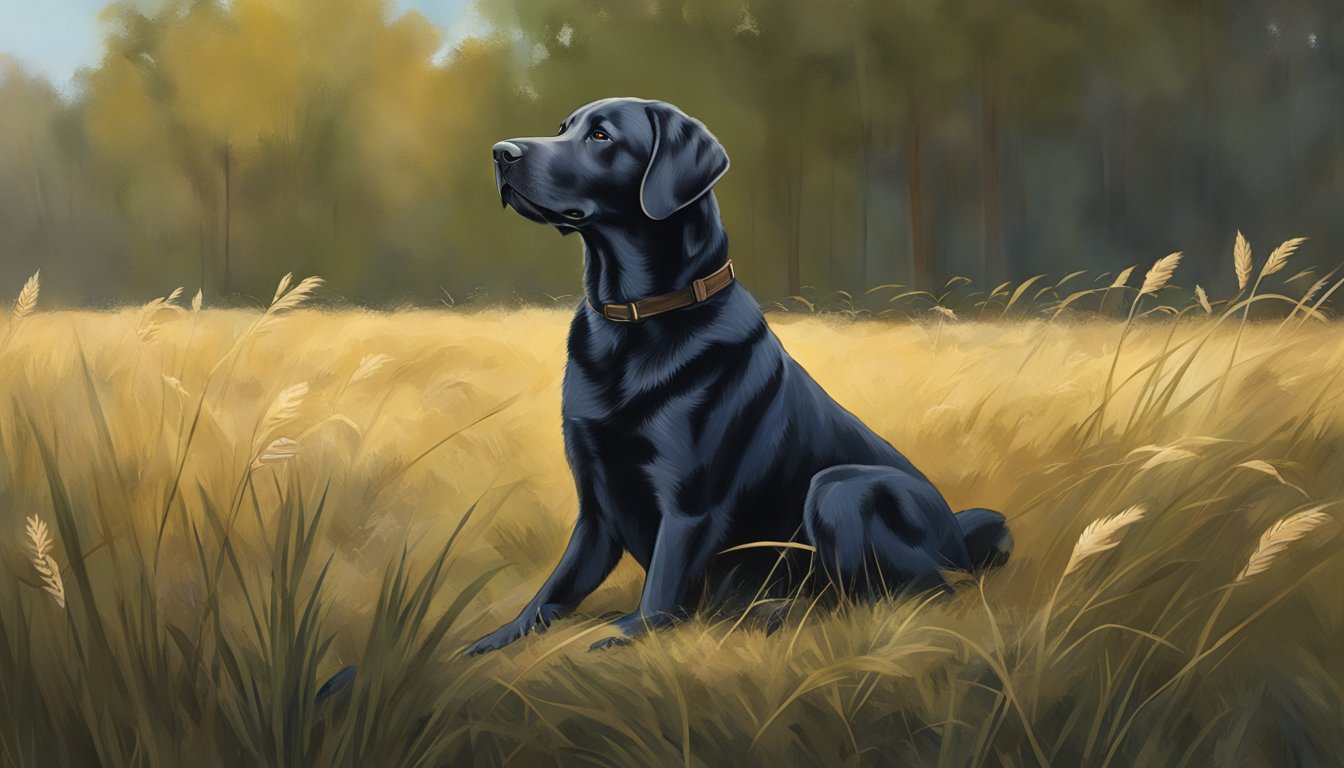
(1275, 540)
(1166, 456)
(1241, 259)
(1101, 535)
(27, 301)
(40, 541)
(1279, 258)
(1158, 277)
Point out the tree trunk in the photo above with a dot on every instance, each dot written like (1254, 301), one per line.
(919, 239)
(228, 214)
(795, 271)
(991, 187)
(832, 270)
(865, 147)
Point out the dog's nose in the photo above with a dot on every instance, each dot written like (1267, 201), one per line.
(507, 152)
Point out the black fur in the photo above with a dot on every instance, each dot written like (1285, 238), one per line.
(694, 431)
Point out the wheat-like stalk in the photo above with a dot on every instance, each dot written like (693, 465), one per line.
(297, 295)
(1314, 290)
(1203, 299)
(39, 540)
(283, 286)
(944, 311)
(1282, 533)
(1241, 260)
(176, 384)
(1158, 277)
(288, 299)
(1101, 535)
(148, 330)
(1279, 258)
(148, 324)
(280, 450)
(196, 301)
(285, 407)
(368, 366)
(27, 301)
(1122, 278)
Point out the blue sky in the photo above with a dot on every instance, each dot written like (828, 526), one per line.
(57, 37)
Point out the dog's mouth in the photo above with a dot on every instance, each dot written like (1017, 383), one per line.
(566, 220)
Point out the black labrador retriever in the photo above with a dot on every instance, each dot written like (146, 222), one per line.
(688, 428)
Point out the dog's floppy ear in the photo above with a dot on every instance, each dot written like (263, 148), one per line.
(685, 162)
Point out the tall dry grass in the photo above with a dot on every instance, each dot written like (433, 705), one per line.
(273, 531)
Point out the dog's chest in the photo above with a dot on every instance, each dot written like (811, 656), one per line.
(627, 412)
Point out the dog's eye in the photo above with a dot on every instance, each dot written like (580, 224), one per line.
(599, 136)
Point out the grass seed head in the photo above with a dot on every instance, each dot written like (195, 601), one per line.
(1158, 277)
(1279, 258)
(1241, 260)
(279, 451)
(368, 366)
(1315, 289)
(285, 407)
(175, 384)
(288, 299)
(1122, 278)
(1101, 535)
(1277, 538)
(1203, 299)
(27, 301)
(39, 540)
(282, 287)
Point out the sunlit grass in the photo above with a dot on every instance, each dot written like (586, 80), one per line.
(275, 530)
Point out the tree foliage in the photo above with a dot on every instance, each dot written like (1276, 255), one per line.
(873, 141)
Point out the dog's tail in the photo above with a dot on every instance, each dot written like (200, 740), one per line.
(988, 540)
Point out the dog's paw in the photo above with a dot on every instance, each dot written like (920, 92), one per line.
(491, 642)
(531, 620)
(610, 642)
(498, 639)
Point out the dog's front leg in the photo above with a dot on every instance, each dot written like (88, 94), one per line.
(589, 557)
(679, 553)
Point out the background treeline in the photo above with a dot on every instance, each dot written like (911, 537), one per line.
(873, 141)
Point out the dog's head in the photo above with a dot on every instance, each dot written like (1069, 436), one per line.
(612, 160)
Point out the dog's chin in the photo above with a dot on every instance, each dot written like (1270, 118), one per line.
(533, 212)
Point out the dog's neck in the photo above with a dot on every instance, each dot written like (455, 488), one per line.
(628, 263)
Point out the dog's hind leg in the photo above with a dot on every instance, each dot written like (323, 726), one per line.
(879, 530)
(988, 540)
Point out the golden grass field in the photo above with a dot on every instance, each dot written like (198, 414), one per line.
(213, 576)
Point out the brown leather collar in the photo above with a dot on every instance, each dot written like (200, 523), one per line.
(699, 291)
